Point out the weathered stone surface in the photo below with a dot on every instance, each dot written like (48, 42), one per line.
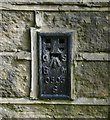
(53, 111)
(57, 7)
(92, 79)
(92, 28)
(53, 1)
(92, 56)
(15, 30)
(14, 77)
(76, 101)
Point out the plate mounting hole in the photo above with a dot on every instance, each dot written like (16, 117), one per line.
(48, 40)
(61, 40)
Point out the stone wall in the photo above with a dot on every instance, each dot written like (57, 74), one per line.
(91, 63)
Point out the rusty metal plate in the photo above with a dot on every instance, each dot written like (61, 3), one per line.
(54, 50)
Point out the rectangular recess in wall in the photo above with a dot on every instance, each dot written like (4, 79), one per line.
(51, 64)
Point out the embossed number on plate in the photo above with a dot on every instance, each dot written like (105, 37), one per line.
(54, 65)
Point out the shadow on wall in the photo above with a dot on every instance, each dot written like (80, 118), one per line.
(109, 90)
(109, 77)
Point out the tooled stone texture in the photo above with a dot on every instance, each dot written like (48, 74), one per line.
(92, 79)
(14, 77)
(53, 111)
(92, 28)
(15, 30)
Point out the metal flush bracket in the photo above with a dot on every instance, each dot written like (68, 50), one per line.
(52, 64)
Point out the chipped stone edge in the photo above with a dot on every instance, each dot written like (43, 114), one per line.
(77, 101)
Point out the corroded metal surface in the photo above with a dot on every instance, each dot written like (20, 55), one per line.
(54, 65)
